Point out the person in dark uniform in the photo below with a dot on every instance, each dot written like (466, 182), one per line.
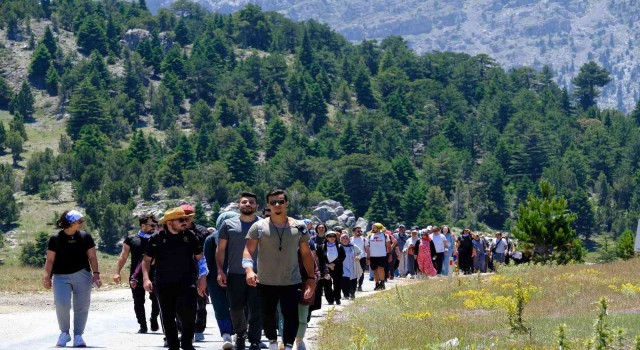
(179, 278)
(201, 311)
(135, 245)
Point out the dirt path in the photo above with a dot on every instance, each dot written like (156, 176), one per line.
(28, 321)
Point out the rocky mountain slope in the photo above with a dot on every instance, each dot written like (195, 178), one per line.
(563, 34)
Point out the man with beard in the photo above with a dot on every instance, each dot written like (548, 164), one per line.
(278, 240)
(231, 243)
(201, 312)
(181, 272)
(377, 247)
(136, 245)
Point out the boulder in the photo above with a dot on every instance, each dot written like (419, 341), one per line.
(325, 213)
(362, 223)
(135, 36)
(331, 224)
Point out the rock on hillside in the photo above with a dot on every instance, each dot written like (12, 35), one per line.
(563, 34)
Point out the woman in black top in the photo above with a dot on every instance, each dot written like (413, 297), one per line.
(73, 264)
(330, 256)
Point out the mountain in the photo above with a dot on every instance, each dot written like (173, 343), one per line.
(563, 34)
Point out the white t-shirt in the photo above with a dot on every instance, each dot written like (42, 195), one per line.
(500, 245)
(377, 244)
(438, 241)
(358, 242)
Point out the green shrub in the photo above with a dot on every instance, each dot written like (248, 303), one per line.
(35, 253)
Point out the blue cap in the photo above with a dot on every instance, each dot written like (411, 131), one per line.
(73, 216)
(306, 221)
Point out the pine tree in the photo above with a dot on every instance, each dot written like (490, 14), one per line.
(138, 149)
(379, 210)
(363, 89)
(545, 222)
(412, 202)
(186, 153)
(40, 63)
(8, 205)
(174, 87)
(579, 203)
(133, 85)
(49, 41)
(86, 107)
(435, 207)
(241, 163)
(52, 80)
(91, 36)
(17, 124)
(276, 134)
(3, 136)
(182, 33)
(23, 102)
(349, 140)
(15, 143)
(6, 94)
(225, 113)
(113, 37)
(331, 187)
(588, 82)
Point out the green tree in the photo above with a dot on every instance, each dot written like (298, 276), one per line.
(412, 202)
(587, 83)
(114, 225)
(52, 80)
(8, 204)
(225, 113)
(276, 134)
(241, 163)
(6, 93)
(40, 63)
(15, 143)
(379, 210)
(49, 41)
(34, 254)
(362, 87)
(625, 247)
(435, 207)
(87, 107)
(23, 102)
(91, 36)
(3, 136)
(545, 222)
(182, 33)
(580, 204)
(39, 172)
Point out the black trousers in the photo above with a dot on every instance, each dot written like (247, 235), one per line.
(138, 305)
(349, 287)
(465, 262)
(438, 262)
(177, 300)
(333, 287)
(243, 297)
(288, 297)
(201, 314)
(363, 264)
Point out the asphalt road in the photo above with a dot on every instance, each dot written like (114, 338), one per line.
(28, 321)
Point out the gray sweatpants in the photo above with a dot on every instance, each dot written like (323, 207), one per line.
(77, 284)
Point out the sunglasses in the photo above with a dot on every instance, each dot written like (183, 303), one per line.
(277, 201)
(152, 225)
(331, 236)
(181, 220)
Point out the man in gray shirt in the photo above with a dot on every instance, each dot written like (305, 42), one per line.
(231, 242)
(278, 240)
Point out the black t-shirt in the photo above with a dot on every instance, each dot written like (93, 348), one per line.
(137, 245)
(71, 252)
(174, 256)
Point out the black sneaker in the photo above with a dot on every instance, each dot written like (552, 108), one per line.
(143, 329)
(382, 287)
(338, 302)
(360, 289)
(240, 341)
(255, 346)
(154, 324)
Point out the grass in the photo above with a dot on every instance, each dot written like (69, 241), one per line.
(17, 278)
(426, 314)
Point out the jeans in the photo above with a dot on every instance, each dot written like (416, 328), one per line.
(288, 297)
(138, 305)
(241, 295)
(498, 257)
(445, 263)
(177, 299)
(220, 305)
(480, 263)
(77, 284)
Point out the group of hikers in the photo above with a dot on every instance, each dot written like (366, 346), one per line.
(261, 273)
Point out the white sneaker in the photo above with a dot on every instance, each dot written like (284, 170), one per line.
(63, 339)
(78, 342)
(226, 341)
(273, 346)
(411, 277)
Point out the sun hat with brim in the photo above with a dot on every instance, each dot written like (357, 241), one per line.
(332, 233)
(173, 214)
